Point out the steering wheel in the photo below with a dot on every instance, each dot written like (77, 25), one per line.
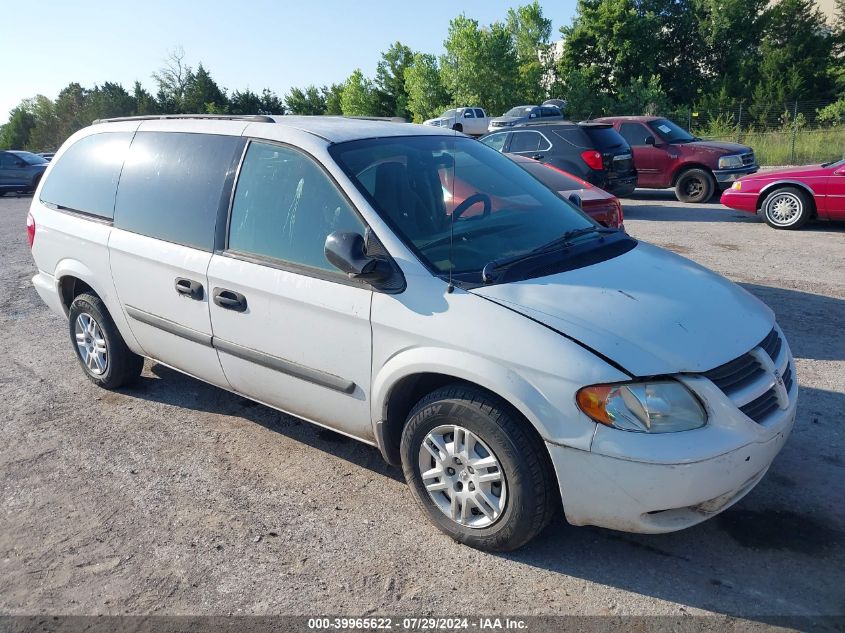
(473, 200)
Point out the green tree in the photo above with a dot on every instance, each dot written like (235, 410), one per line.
(145, 103)
(795, 59)
(582, 100)
(202, 94)
(531, 32)
(426, 95)
(391, 96)
(643, 96)
(246, 102)
(45, 135)
(270, 103)
(107, 101)
(71, 110)
(308, 101)
(358, 97)
(331, 97)
(480, 65)
(15, 133)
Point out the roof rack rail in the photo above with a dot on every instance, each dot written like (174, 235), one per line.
(255, 118)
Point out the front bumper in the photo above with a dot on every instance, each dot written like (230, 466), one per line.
(740, 200)
(726, 177)
(636, 496)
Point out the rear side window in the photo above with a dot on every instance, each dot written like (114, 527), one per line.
(85, 177)
(286, 206)
(172, 184)
(605, 138)
(528, 142)
(479, 113)
(574, 135)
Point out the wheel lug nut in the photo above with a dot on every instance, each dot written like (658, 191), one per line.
(471, 470)
(457, 461)
(459, 486)
(450, 471)
(471, 486)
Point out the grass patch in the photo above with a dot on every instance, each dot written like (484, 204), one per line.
(775, 148)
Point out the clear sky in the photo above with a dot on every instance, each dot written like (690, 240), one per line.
(253, 44)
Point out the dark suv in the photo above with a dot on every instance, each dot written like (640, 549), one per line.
(20, 171)
(594, 152)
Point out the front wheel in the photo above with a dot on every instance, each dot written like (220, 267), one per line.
(100, 348)
(477, 469)
(695, 185)
(786, 208)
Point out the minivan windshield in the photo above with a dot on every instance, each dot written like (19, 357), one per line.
(671, 132)
(457, 203)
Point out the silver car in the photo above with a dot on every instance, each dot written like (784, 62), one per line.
(522, 114)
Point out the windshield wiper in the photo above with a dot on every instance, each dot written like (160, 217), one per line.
(559, 242)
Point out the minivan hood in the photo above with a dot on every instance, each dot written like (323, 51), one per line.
(649, 310)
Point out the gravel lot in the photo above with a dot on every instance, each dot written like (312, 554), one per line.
(175, 497)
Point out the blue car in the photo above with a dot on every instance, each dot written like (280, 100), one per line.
(20, 171)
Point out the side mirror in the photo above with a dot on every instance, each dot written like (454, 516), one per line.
(650, 140)
(532, 116)
(839, 172)
(575, 199)
(345, 251)
(468, 114)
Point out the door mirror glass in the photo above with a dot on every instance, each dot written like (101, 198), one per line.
(650, 140)
(345, 251)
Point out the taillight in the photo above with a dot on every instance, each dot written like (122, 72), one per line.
(592, 158)
(619, 214)
(30, 229)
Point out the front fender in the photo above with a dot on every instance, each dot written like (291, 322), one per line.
(498, 379)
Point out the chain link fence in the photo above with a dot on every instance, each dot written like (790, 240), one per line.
(785, 133)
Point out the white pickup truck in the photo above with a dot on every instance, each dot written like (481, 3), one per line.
(473, 121)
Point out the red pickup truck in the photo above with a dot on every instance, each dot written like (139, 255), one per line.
(666, 155)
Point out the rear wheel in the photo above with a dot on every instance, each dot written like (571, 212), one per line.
(787, 208)
(695, 185)
(100, 348)
(477, 469)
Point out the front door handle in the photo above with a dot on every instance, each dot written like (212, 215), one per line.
(229, 299)
(189, 288)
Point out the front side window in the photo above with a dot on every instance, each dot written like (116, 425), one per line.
(635, 133)
(85, 177)
(458, 204)
(31, 159)
(468, 114)
(285, 206)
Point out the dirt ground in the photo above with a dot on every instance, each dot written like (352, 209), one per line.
(175, 497)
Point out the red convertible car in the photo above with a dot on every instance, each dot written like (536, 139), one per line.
(788, 198)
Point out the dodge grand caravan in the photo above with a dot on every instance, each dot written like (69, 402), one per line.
(509, 352)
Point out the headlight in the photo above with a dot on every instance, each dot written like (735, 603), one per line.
(737, 186)
(660, 406)
(730, 162)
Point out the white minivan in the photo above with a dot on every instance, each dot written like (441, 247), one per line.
(418, 291)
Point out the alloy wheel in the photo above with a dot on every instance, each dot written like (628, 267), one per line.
(91, 344)
(462, 476)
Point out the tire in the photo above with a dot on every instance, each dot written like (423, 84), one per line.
(695, 185)
(458, 127)
(111, 364)
(787, 208)
(522, 502)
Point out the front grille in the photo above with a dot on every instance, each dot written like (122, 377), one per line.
(759, 408)
(743, 378)
(748, 159)
(736, 374)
